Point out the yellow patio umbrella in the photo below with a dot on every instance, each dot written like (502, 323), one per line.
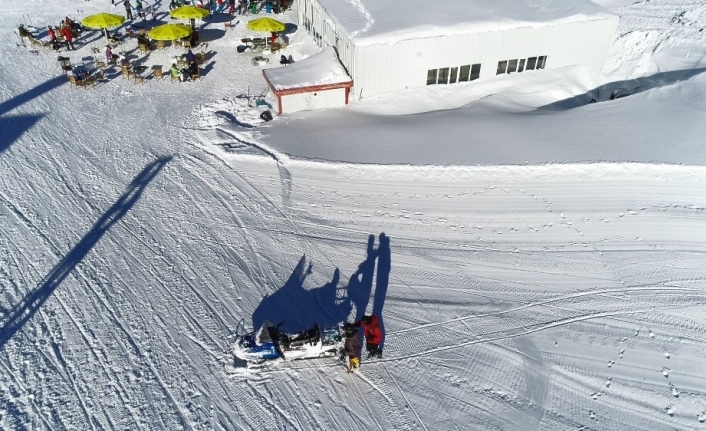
(103, 21)
(266, 25)
(189, 12)
(170, 32)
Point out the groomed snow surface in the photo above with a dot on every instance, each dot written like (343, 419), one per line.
(140, 223)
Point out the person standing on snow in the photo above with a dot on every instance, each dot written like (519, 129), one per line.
(351, 345)
(68, 37)
(128, 9)
(373, 335)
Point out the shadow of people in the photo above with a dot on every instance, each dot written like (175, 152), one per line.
(381, 281)
(15, 319)
(360, 284)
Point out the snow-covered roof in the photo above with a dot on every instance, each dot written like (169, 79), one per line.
(322, 68)
(389, 21)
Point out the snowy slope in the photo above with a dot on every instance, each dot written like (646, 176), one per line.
(139, 224)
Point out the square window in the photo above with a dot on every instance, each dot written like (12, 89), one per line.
(454, 75)
(531, 62)
(464, 73)
(541, 61)
(502, 66)
(431, 77)
(521, 67)
(511, 66)
(475, 72)
(443, 76)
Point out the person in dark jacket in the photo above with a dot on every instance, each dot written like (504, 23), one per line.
(373, 335)
(351, 345)
(128, 9)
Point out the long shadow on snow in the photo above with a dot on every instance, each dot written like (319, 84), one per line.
(12, 127)
(382, 280)
(329, 305)
(15, 319)
(28, 95)
(619, 89)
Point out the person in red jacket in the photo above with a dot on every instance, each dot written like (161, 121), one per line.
(68, 37)
(373, 335)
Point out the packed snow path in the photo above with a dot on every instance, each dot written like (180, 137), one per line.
(140, 224)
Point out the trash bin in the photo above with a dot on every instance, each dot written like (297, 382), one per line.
(253, 8)
(268, 7)
(266, 115)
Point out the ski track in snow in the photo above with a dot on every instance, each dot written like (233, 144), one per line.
(537, 297)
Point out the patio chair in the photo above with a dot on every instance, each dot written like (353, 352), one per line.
(161, 44)
(138, 78)
(174, 78)
(186, 44)
(127, 72)
(89, 81)
(201, 58)
(229, 24)
(157, 72)
(100, 63)
(74, 82)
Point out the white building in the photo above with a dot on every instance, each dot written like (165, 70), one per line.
(388, 45)
(316, 82)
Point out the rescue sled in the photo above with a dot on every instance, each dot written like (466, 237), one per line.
(269, 343)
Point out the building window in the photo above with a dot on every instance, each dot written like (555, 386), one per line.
(464, 73)
(475, 72)
(531, 62)
(541, 61)
(431, 76)
(454, 74)
(443, 76)
(521, 67)
(502, 67)
(511, 66)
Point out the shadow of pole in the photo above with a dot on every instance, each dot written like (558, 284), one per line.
(15, 319)
(381, 281)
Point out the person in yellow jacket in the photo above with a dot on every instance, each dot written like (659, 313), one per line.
(351, 346)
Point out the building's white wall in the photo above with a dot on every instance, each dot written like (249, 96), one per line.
(315, 100)
(382, 68)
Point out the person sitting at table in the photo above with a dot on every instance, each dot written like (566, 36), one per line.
(193, 69)
(181, 74)
(189, 56)
(273, 38)
(143, 40)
